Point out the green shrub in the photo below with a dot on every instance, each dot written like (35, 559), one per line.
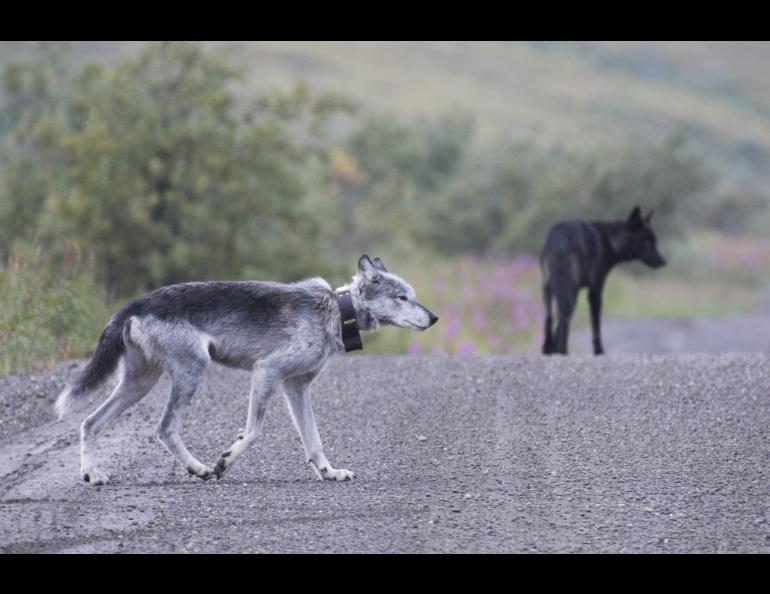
(47, 313)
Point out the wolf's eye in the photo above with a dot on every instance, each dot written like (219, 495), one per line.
(402, 298)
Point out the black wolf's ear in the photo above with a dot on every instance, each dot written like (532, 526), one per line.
(635, 218)
(367, 269)
(648, 218)
(379, 265)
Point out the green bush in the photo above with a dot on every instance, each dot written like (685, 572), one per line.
(47, 313)
(160, 168)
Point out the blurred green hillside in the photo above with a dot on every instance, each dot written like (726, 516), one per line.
(572, 93)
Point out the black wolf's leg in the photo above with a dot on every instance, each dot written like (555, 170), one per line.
(595, 303)
(548, 342)
(566, 304)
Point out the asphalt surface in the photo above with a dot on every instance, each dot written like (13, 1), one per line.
(500, 454)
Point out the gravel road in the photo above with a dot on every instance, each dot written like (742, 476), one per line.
(496, 454)
(745, 334)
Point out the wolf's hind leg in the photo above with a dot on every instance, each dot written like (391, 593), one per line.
(297, 392)
(565, 301)
(138, 376)
(185, 379)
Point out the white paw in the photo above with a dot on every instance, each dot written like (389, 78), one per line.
(93, 476)
(201, 471)
(331, 474)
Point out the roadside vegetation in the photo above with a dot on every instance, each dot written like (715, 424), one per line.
(48, 312)
(168, 165)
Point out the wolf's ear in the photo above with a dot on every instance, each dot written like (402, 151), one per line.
(367, 269)
(635, 218)
(648, 218)
(379, 265)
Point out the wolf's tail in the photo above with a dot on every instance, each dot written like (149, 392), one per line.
(109, 350)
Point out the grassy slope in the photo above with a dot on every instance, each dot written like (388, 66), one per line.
(562, 89)
(562, 92)
(571, 93)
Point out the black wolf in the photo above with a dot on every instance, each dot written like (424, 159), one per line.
(580, 254)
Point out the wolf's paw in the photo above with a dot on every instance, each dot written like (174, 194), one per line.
(201, 471)
(220, 467)
(331, 474)
(93, 476)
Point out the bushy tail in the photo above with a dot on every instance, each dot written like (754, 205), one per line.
(105, 360)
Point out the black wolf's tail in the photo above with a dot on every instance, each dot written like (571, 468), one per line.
(108, 352)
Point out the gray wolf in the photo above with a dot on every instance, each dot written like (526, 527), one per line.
(283, 333)
(581, 254)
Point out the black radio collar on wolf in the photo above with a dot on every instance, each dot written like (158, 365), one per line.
(351, 337)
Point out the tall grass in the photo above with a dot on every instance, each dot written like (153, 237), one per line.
(47, 313)
(484, 306)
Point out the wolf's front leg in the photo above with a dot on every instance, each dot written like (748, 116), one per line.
(297, 391)
(264, 382)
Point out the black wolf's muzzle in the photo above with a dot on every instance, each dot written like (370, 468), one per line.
(654, 260)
